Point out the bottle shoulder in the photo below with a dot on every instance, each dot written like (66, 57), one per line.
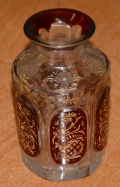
(61, 70)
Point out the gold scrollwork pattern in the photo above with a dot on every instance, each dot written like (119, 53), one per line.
(27, 128)
(68, 136)
(102, 121)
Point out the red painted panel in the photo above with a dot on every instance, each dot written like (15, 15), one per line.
(102, 120)
(27, 128)
(68, 136)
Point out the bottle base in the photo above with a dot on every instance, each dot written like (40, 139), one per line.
(61, 175)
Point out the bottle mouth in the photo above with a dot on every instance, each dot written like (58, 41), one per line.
(59, 28)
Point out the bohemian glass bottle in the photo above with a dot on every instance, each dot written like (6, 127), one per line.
(61, 90)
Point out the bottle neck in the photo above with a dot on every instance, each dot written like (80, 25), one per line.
(60, 58)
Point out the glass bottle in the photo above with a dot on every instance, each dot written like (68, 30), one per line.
(61, 89)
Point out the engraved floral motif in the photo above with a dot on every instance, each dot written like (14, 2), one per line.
(27, 128)
(68, 138)
(63, 79)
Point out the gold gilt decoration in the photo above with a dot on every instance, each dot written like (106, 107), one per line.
(27, 128)
(102, 120)
(68, 136)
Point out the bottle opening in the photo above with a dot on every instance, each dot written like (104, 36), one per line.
(59, 28)
(60, 32)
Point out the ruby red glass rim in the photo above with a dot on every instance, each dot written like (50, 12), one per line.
(45, 18)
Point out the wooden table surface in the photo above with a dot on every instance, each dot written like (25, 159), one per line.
(13, 14)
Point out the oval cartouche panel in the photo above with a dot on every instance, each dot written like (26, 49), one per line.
(27, 128)
(102, 115)
(68, 136)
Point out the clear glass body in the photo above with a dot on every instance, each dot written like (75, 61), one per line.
(62, 106)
